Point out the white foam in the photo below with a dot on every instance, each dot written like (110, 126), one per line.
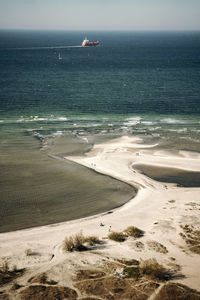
(132, 121)
(62, 119)
(155, 128)
(172, 121)
(39, 119)
(178, 130)
(58, 133)
(147, 122)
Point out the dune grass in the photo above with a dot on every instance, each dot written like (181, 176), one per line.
(134, 232)
(78, 242)
(117, 236)
(152, 269)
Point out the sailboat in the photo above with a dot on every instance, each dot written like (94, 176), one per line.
(59, 56)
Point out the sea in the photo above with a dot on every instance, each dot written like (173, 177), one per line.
(59, 99)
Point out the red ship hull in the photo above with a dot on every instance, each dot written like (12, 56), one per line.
(87, 43)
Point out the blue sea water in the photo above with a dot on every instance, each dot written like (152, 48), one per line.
(135, 83)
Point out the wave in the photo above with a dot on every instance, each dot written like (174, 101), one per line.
(132, 121)
(148, 123)
(173, 121)
(178, 130)
(41, 119)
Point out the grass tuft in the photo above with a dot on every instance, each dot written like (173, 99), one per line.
(134, 232)
(76, 242)
(92, 240)
(117, 236)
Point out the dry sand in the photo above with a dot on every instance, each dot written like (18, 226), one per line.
(158, 208)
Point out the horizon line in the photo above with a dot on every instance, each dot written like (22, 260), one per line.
(99, 30)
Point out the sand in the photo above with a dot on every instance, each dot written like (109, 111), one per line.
(160, 209)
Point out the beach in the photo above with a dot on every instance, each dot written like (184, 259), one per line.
(163, 210)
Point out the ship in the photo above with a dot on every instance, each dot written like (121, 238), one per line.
(87, 43)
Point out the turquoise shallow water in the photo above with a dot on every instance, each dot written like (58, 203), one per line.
(142, 84)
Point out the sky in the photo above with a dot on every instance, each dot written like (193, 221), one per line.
(100, 14)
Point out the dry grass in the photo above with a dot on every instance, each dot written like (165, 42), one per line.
(28, 252)
(132, 272)
(154, 270)
(117, 236)
(153, 245)
(7, 275)
(114, 288)
(131, 262)
(134, 232)
(41, 292)
(89, 274)
(43, 279)
(92, 240)
(177, 292)
(77, 242)
(191, 236)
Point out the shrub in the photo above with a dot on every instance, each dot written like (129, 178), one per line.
(134, 232)
(153, 245)
(154, 270)
(75, 243)
(7, 275)
(117, 236)
(130, 262)
(132, 272)
(92, 240)
(28, 252)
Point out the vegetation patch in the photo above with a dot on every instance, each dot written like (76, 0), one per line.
(7, 275)
(132, 272)
(92, 240)
(77, 242)
(131, 262)
(114, 288)
(89, 274)
(117, 236)
(42, 278)
(177, 291)
(16, 286)
(134, 232)
(153, 245)
(136, 280)
(191, 236)
(139, 246)
(41, 292)
(152, 269)
(4, 296)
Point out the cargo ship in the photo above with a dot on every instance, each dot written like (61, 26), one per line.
(87, 43)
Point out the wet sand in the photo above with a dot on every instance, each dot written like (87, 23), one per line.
(40, 187)
(172, 175)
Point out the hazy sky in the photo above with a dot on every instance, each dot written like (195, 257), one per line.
(100, 14)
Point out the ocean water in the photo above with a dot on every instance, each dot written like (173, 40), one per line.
(143, 84)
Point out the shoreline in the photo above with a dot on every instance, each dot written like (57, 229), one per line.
(160, 209)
